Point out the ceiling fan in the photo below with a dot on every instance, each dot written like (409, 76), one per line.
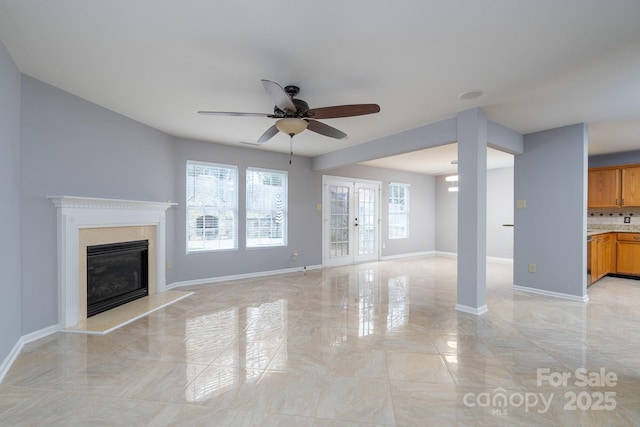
(294, 115)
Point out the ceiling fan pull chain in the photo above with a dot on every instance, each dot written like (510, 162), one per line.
(291, 149)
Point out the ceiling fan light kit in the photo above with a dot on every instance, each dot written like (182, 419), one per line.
(295, 116)
(291, 125)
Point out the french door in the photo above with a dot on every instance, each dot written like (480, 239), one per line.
(351, 212)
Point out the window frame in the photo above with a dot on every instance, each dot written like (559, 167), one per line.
(249, 208)
(392, 200)
(212, 211)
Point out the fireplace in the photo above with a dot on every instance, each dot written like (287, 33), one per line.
(117, 273)
(88, 221)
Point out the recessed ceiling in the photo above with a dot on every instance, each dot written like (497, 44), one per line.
(438, 160)
(539, 64)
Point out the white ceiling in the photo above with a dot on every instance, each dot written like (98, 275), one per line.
(541, 64)
(437, 161)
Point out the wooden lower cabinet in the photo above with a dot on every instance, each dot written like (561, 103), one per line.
(592, 260)
(602, 257)
(628, 254)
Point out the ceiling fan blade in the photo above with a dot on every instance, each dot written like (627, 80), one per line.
(343, 111)
(231, 113)
(280, 98)
(270, 133)
(326, 130)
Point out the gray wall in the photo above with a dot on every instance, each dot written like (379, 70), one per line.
(73, 147)
(421, 205)
(10, 279)
(305, 221)
(615, 159)
(551, 231)
(499, 211)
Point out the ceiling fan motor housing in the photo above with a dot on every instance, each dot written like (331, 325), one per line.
(301, 109)
(291, 90)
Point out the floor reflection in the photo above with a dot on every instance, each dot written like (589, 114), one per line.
(367, 301)
(359, 298)
(238, 357)
(398, 311)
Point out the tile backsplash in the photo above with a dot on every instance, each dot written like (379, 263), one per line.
(600, 218)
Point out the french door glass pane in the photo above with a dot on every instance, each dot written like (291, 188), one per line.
(339, 221)
(366, 218)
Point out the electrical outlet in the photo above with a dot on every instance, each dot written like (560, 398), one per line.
(521, 204)
(532, 268)
(295, 252)
(627, 220)
(168, 265)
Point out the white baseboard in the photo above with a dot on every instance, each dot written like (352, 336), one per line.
(241, 276)
(25, 339)
(409, 255)
(447, 254)
(545, 293)
(497, 260)
(472, 310)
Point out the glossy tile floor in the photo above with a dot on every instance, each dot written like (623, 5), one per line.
(371, 344)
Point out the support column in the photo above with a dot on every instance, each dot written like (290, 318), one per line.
(472, 211)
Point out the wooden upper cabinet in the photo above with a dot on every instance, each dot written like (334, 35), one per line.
(631, 186)
(617, 186)
(604, 187)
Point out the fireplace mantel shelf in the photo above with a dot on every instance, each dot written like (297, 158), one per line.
(100, 203)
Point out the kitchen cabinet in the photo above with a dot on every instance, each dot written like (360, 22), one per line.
(607, 253)
(602, 256)
(614, 186)
(604, 187)
(628, 254)
(592, 260)
(630, 178)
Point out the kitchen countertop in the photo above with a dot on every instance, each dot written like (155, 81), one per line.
(624, 229)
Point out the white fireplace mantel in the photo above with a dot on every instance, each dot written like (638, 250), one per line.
(75, 213)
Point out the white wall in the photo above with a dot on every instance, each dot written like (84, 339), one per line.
(499, 211)
(500, 206)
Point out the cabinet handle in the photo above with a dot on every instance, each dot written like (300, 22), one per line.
(622, 204)
(616, 202)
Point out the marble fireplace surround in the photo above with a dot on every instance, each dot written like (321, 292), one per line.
(86, 221)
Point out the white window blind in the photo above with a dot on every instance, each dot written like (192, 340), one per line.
(398, 211)
(212, 206)
(266, 208)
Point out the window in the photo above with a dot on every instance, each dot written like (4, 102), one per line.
(398, 211)
(266, 208)
(212, 207)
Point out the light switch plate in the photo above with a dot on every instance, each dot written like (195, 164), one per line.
(521, 204)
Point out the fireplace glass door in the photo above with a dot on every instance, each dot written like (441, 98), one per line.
(117, 273)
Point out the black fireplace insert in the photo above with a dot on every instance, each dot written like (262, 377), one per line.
(117, 273)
